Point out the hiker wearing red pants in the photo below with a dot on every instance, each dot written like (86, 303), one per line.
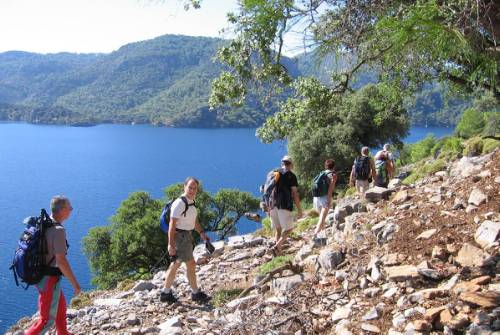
(51, 302)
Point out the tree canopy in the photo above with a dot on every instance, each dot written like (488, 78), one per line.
(408, 42)
(403, 45)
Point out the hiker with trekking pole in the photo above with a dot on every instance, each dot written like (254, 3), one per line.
(179, 219)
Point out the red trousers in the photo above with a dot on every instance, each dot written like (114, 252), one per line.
(52, 307)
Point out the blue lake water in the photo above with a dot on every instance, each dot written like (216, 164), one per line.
(98, 167)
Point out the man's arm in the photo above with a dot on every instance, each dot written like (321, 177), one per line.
(351, 177)
(373, 172)
(390, 168)
(296, 201)
(63, 265)
(199, 229)
(331, 187)
(171, 236)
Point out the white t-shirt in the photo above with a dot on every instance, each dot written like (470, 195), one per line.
(183, 222)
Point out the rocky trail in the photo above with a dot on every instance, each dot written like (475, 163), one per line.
(419, 259)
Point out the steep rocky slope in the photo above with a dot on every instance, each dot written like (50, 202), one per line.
(419, 259)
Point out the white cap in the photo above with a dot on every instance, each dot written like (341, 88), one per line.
(287, 158)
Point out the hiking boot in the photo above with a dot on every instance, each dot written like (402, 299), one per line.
(168, 297)
(200, 297)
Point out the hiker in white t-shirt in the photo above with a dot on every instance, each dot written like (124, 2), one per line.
(183, 220)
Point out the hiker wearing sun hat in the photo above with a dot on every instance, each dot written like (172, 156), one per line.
(286, 196)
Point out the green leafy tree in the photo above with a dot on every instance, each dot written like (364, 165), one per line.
(406, 43)
(409, 42)
(228, 208)
(132, 245)
(338, 127)
(471, 123)
(423, 148)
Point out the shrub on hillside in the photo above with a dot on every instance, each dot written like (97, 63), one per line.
(423, 148)
(491, 124)
(447, 147)
(425, 168)
(471, 123)
(490, 144)
(473, 147)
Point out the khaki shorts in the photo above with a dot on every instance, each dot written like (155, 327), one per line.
(184, 245)
(362, 186)
(281, 218)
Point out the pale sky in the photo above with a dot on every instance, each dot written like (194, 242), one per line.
(49, 26)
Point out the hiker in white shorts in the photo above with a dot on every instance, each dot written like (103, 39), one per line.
(286, 196)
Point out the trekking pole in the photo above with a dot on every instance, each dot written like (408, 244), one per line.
(162, 258)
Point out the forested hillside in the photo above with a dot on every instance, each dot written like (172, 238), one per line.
(431, 106)
(163, 81)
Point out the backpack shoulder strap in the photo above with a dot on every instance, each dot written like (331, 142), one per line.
(187, 204)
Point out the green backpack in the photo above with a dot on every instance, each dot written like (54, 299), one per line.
(320, 184)
(380, 166)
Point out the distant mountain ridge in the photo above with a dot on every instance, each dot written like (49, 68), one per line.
(162, 81)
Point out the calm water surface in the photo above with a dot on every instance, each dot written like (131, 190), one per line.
(98, 167)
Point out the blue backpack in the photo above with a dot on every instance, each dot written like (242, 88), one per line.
(29, 258)
(165, 214)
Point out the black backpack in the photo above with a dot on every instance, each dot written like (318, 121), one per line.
(362, 168)
(29, 258)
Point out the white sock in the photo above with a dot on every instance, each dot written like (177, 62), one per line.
(166, 290)
(195, 291)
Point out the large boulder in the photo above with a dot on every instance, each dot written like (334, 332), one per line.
(287, 283)
(340, 214)
(244, 241)
(472, 256)
(375, 194)
(346, 207)
(341, 313)
(395, 183)
(387, 233)
(477, 197)
(402, 273)
(465, 167)
(487, 233)
(304, 252)
(400, 197)
(330, 259)
(143, 285)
